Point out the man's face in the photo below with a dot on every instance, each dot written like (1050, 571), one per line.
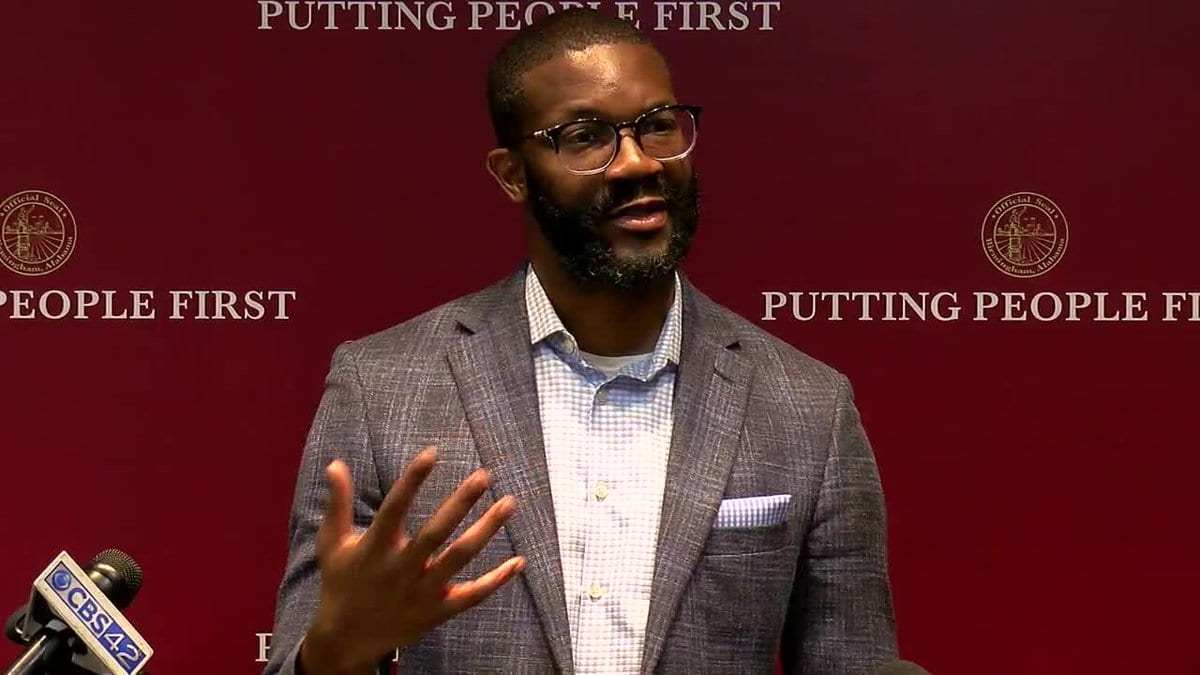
(581, 218)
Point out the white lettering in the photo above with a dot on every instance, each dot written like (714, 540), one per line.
(666, 12)
(283, 297)
(361, 7)
(984, 301)
(110, 307)
(291, 6)
(546, 8)
(254, 308)
(508, 13)
(1013, 310)
(479, 11)
(740, 20)
(835, 310)
(1037, 309)
(141, 304)
(224, 303)
(1134, 307)
(268, 9)
(1174, 302)
(866, 299)
(329, 6)
(767, 9)
(64, 304)
(264, 647)
(179, 302)
(443, 20)
(627, 11)
(1076, 302)
(1101, 302)
(940, 313)
(22, 301)
(771, 305)
(85, 300)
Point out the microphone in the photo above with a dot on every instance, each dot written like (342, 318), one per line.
(72, 623)
(900, 668)
(113, 571)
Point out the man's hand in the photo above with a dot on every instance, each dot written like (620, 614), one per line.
(382, 589)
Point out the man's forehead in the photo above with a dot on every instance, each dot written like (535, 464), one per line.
(617, 80)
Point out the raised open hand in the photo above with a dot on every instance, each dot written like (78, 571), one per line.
(383, 588)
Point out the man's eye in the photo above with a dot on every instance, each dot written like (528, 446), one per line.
(583, 137)
(662, 125)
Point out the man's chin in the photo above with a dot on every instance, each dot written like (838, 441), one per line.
(638, 270)
(640, 256)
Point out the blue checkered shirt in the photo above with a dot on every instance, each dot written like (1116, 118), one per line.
(607, 439)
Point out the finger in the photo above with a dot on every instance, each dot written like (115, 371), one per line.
(388, 526)
(464, 549)
(470, 593)
(338, 521)
(451, 512)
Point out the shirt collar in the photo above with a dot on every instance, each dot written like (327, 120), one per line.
(544, 323)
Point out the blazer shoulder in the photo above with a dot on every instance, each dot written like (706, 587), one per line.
(419, 339)
(777, 359)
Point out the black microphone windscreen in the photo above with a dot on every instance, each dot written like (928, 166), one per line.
(122, 576)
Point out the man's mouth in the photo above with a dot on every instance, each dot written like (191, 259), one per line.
(642, 215)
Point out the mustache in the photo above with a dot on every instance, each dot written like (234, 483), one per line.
(621, 194)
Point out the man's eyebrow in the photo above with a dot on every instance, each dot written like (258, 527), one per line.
(581, 113)
(585, 112)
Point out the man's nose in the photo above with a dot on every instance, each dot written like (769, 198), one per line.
(631, 162)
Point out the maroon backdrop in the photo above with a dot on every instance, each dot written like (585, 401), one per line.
(1039, 475)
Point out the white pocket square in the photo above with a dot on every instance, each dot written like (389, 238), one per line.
(753, 511)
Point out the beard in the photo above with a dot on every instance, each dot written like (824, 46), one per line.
(577, 238)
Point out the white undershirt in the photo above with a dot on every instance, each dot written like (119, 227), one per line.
(611, 365)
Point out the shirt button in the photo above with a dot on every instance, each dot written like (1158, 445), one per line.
(567, 345)
(602, 397)
(596, 592)
(601, 491)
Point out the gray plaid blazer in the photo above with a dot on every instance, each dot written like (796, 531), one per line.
(753, 416)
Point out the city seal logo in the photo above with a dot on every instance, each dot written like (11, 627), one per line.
(37, 233)
(1024, 234)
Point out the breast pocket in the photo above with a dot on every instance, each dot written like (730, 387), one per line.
(746, 540)
(746, 525)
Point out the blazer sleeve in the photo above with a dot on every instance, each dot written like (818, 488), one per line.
(340, 429)
(840, 619)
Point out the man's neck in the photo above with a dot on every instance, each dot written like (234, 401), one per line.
(604, 320)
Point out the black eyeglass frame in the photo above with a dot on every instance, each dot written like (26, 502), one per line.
(551, 134)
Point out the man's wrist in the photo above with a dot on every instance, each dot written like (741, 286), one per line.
(320, 654)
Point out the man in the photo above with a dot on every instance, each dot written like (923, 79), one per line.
(663, 486)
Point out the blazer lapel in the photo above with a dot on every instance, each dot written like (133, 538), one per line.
(493, 368)
(709, 407)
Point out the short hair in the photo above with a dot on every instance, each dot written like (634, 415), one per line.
(552, 35)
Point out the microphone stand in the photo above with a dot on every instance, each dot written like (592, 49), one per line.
(47, 654)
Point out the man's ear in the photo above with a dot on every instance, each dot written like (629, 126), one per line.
(507, 167)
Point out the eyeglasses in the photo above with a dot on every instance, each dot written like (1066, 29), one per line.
(589, 146)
